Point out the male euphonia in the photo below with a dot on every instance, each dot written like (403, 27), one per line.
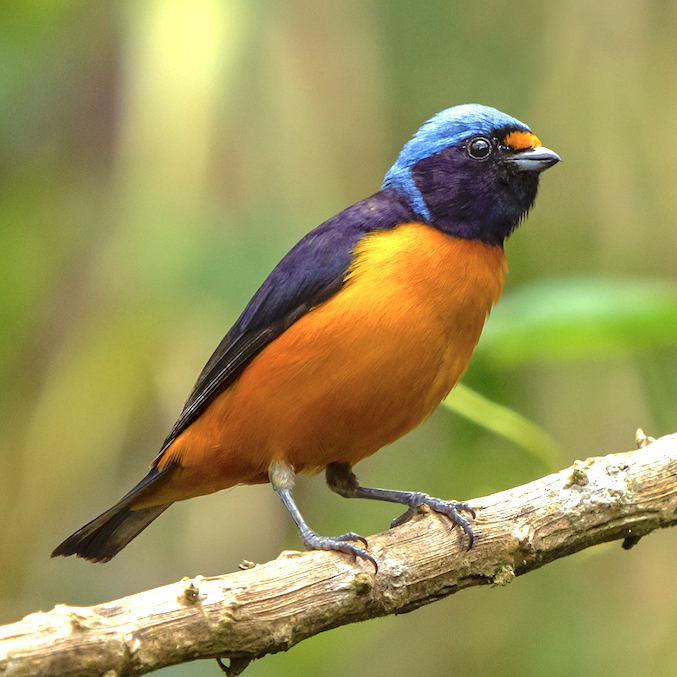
(355, 337)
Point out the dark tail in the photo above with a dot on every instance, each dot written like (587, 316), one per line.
(104, 537)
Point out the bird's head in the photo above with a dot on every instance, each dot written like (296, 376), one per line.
(471, 171)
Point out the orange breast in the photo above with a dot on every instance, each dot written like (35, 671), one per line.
(355, 373)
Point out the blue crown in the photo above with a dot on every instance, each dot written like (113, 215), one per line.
(444, 129)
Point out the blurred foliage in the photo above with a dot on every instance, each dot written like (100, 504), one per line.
(503, 421)
(157, 158)
(581, 317)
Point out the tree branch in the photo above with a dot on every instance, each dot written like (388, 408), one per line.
(270, 607)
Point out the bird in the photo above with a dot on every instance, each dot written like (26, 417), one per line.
(353, 339)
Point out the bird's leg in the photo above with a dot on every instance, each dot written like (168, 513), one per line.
(282, 478)
(342, 480)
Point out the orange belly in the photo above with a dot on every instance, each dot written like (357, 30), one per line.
(355, 373)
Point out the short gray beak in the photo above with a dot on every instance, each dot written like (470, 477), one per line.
(536, 159)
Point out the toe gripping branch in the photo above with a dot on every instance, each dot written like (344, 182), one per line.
(282, 479)
(342, 480)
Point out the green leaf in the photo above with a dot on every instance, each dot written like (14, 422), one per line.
(580, 318)
(504, 422)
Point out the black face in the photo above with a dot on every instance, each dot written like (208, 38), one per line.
(473, 192)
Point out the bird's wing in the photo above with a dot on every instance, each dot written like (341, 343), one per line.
(311, 273)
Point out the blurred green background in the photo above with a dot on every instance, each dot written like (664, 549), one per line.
(158, 157)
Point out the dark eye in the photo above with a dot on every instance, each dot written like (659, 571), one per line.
(479, 148)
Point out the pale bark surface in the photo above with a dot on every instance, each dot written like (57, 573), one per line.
(271, 607)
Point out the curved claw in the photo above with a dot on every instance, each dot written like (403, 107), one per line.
(465, 525)
(314, 541)
(404, 517)
(352, 536)
(452, 511)
(449, 509)
(464, 507)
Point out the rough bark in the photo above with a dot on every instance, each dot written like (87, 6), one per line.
(270, 607)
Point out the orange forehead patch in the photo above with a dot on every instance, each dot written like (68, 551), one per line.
(522, 140)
